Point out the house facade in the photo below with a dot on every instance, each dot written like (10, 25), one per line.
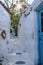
(4, 28)
(31, 31)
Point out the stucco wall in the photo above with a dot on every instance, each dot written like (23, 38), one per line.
(29, 35)
(36, 35)
(4, 25)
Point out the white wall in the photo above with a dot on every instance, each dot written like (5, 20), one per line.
(4, 25)
(28, 34)
(36, 35)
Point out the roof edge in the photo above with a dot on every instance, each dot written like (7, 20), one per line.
(6, 8)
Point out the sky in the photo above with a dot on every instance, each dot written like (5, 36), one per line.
(29, 1)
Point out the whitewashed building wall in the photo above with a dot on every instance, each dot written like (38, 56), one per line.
(29, 30)
(4, 25)
(28, 35)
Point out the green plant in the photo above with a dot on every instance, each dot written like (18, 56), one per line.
(17, 12)
(14, 22)
(10, 30)
(0, 63)
(1, 60)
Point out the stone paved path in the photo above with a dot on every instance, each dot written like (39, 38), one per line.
(18, 56)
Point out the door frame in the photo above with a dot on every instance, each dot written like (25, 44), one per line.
(39, 30)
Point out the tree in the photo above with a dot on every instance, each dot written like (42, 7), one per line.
(14, 23)
(17, 5)
(7, 2)
(17, 8)
(21, 6)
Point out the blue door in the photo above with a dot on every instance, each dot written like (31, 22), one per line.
(40, 32)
